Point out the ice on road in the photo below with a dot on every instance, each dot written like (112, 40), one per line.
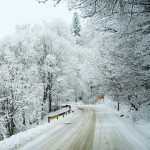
(93, 128)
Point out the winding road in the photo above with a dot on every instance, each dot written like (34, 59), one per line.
(93, 128)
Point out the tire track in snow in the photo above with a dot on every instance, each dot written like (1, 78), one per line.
(76, 136)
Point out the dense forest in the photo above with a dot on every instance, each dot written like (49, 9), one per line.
(45, 66)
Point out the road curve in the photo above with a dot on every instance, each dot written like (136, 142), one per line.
(77, 135)
(94, 128)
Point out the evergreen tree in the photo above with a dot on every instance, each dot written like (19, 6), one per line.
(76, 26)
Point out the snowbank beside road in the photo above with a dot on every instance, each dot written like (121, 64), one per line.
(22, 138)
(128, 112)
(140, 129)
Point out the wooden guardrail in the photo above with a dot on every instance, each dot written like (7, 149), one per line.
(60, 114)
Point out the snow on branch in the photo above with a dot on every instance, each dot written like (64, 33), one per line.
(42, 1)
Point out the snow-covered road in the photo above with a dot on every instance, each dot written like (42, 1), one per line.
(93, 128)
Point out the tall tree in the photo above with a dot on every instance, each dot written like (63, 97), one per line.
(76, 26)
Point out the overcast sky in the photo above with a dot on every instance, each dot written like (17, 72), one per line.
(14, 12)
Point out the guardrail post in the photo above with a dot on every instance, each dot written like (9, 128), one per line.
(49, 119)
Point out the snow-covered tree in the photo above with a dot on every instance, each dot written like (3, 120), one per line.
(32, 65)
(121, 41)
(76, 26)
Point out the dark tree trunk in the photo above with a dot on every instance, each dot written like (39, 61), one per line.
(49, 87)
(50, 101)
(44, 100)
(118, 108)
(45, 94)
(24, 120)
(10, 126)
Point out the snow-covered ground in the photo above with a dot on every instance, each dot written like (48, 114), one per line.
(91, 127)
(20, 139)
(128, 112)
(139, 128)
(140, 131)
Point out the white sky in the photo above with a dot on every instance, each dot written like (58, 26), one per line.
(15, 12)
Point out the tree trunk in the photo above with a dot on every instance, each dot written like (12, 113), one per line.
(45, 95)
(10, 126)
(49, 87)
(118, 106)
(24, 120)
(44, 100)
(50, 101)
